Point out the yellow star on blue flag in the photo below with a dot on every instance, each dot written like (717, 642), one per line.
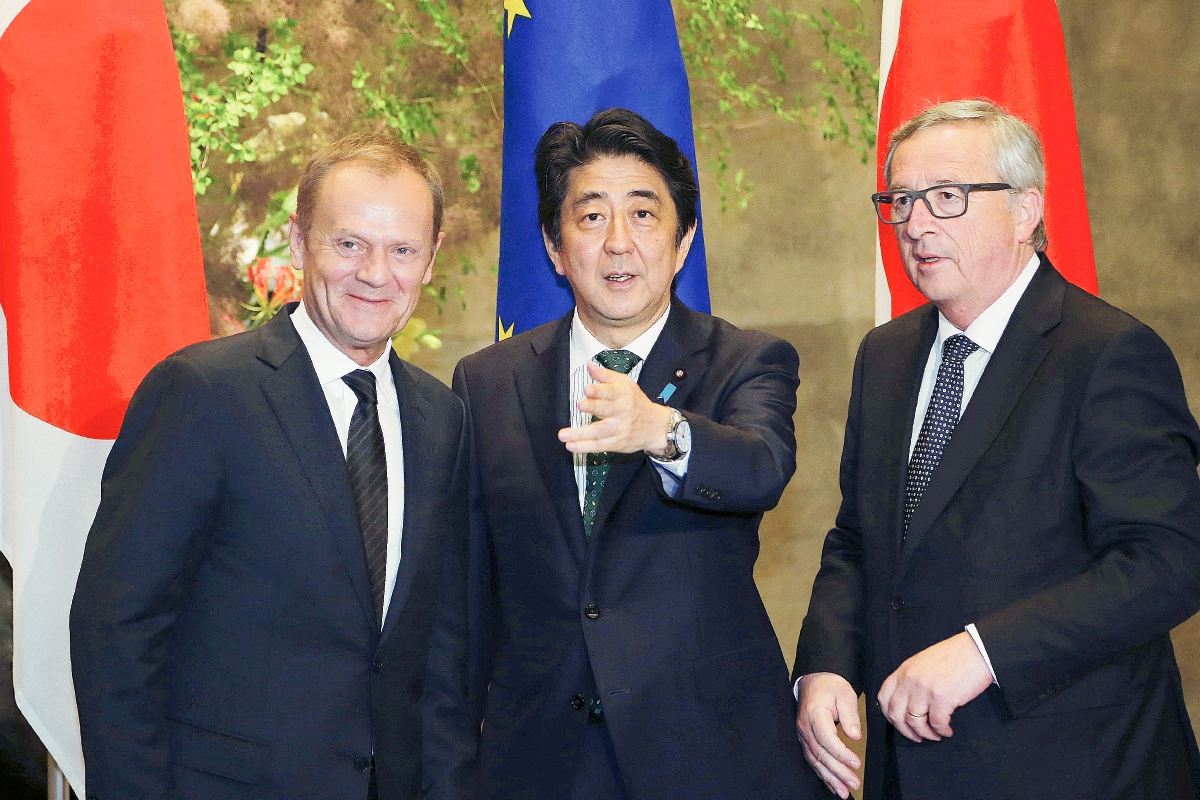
(514, 9)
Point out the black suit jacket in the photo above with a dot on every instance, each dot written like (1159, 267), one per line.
(657, 612)
(223, 637)
(1063, 520)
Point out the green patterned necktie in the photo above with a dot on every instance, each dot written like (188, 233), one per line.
(597, 463)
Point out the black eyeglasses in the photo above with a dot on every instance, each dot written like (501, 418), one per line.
(944, 201)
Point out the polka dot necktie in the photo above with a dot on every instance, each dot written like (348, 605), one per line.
(940, 420)
(597, 463)
(366, 461)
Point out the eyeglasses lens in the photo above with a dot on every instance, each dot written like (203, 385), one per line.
(943, 201)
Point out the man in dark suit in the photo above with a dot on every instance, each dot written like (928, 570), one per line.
(1002, 586)
(272, 598)
(629, 653)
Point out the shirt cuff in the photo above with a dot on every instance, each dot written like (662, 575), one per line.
(672, 473)
(796, 688)
(982, 651)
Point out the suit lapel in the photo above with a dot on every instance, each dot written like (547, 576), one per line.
(418, 493)
(898, 397)
(299, 404)
(543, 386)
(680, 348)
(1019, 353)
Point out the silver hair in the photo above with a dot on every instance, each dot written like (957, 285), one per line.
(1019, 160)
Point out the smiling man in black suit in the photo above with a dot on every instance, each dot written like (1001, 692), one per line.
(272, 601)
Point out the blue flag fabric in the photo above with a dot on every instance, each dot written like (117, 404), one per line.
(564, 61)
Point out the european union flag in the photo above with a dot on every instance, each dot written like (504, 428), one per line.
(566, 61)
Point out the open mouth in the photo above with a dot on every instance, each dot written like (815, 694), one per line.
(620, 277)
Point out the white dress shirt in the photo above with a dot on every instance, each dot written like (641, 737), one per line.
(331, 364)
(585, 348)
(985, 331)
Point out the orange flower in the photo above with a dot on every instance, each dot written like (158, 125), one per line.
(259, 274)
(288, 286)
(274, 284)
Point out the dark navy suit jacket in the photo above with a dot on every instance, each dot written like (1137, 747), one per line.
(1063, 520)
(657, 612)
(223, 638)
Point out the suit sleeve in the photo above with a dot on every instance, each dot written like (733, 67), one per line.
(1134, 458)
(451, 733)
(742, 459)
(833, 630)
(158, 498)
(482, 585)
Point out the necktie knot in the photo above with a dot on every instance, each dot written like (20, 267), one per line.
(618, 360)
(362, 383)
(957, 348)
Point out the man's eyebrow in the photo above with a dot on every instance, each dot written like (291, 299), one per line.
(647, 194)
(588, 197)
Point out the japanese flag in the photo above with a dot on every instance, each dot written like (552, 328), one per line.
(101, 277)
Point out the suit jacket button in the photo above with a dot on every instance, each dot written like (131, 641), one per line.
(377, 664)
(897, 603)
(592, 612)
(577, 702)
(362, 763)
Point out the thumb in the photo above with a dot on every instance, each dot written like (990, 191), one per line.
(847, 711)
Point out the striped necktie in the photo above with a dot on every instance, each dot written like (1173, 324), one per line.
(366, 461)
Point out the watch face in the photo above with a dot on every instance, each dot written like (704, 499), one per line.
(683, 437)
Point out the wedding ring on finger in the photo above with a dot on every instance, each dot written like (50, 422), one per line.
(918, 716)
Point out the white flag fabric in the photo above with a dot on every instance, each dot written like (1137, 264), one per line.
(101, 276)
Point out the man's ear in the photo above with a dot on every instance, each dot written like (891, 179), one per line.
(552, 251)
(1028, 213)
(681, 253)
(437, 243)
(295, 242)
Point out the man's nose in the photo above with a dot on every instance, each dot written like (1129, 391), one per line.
(619, 239)
(373, 269)
(920, 221)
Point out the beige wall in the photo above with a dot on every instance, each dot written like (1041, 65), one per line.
(800, 261)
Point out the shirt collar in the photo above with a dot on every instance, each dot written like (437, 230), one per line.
(585, 347)
(331, 364)
(989, 326)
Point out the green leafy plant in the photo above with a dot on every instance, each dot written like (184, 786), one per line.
(431, 72)
(257, 77)
(738, 75)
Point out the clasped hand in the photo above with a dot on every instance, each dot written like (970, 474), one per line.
(627, 420)
(918, 699)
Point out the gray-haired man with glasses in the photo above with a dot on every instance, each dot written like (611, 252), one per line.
(1020, 522)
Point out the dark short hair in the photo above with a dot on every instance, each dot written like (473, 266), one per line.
(612, 132)
(382, 154)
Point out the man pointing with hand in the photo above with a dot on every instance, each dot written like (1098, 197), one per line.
(624, 455)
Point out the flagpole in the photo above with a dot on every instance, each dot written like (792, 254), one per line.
(57, 787)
